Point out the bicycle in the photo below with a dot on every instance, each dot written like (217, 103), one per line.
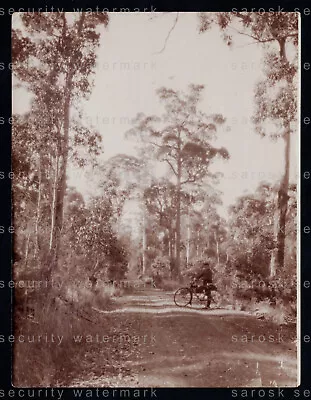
(185, 295)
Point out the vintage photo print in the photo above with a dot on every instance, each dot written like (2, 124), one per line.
(155, 199)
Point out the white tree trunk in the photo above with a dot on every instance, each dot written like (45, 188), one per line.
(144, 242)
(274, 252)
(217, 247)
(27, 250)
(53, 204)
(198, 238)
(188, 241)
(36, 251)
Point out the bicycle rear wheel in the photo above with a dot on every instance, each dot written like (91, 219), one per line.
(182, 297)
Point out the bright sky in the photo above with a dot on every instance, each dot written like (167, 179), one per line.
(129, 71)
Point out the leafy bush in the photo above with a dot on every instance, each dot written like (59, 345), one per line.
(160, 268)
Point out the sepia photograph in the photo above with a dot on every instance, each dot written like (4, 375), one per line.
(155, 193)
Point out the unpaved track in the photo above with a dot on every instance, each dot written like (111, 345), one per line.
(167, 346)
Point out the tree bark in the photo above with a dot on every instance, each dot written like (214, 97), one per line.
(36, 250)
(283, 204)
(61, 185)
(274, 251)
(54, 189)
(175, 244)
(27, 250)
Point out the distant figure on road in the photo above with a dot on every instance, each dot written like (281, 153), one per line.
(206, 275)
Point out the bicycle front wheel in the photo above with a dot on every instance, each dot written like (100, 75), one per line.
(183, 297)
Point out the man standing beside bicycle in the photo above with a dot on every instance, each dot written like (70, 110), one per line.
(205, 275)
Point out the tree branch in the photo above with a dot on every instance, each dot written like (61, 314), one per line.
(258, 40)
(154, 144)
(171, 165)
(189, 180)
(168, 35)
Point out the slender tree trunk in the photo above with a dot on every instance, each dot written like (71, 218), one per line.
(188, 241)
(144, 243)
(208, 241)
(178, 210)
(54, 189)
(198, 243)
(36, 250)
(274, 251)
(217, 247)
(170, 243)
(283, 203)
(272, 264)
(61, 186)
(283, 191)
(171, 250)
(169, 246)
(27, 250)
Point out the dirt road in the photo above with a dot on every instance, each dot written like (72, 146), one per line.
(156, 344)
